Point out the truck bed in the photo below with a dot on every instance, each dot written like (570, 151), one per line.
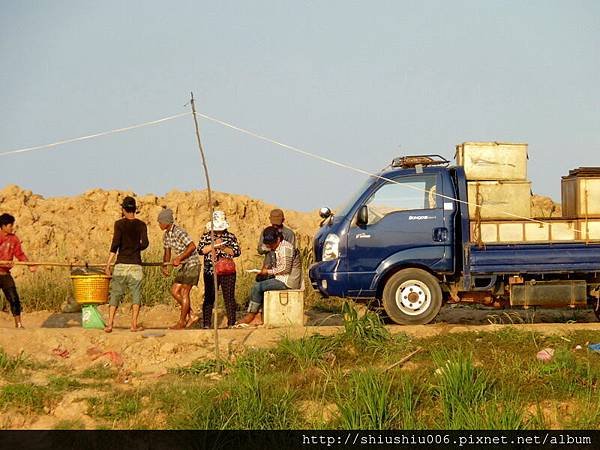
(533, 258)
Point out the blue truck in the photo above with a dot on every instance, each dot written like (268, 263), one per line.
(405, 240)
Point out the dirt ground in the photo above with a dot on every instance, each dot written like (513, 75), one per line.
(59, 342)
(59, 337)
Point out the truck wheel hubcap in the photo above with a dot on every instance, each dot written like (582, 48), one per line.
(413, 297)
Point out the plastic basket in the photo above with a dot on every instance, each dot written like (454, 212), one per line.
(90, 289)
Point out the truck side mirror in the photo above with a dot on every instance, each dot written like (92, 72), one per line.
(325, 212)
(362, 218)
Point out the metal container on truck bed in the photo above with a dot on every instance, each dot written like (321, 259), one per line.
(580, 192)
(552, 230)
(499, 199)
(493, 160)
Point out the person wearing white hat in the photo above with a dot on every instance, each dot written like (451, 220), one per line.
(226, 247)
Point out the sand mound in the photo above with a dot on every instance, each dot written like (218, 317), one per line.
(79, 228)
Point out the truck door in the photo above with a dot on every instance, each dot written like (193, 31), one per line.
(405, 218)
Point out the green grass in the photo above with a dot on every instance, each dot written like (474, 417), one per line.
(474, 380)
(24, 397)
(307, 351)
(367, 401)
(98, 372)
(9, 365)
(69, 425)
(64, 384)
(199, 367)
(46, 289)
(122, 407)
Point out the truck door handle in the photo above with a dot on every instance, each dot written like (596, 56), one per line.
(362, 236)
(440, 234)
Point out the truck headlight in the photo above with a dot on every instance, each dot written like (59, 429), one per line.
(331, 247)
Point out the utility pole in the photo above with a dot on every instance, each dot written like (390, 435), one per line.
(213, 253)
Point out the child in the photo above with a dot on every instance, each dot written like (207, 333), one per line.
(10, 247)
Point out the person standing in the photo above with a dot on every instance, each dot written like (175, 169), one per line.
(226, 246)
(287, 274)
(130, 238)
(177, 239)
(10, 247)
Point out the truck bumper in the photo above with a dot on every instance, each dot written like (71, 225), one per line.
(326, 279)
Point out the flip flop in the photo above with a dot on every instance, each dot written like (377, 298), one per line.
(149, 334)
(241, 325)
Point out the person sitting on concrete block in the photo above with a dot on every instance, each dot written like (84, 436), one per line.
(287, 272)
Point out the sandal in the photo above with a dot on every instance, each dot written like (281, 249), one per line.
(241, 325)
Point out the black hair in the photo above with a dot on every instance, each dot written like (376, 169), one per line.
(270, 235)
(129, 204)
(6, 219)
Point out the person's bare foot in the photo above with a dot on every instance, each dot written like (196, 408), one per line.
(193, 320)
(257, 320)
(177, 326)
(136, 329)
(108, 329)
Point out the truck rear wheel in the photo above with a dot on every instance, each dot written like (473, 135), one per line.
(412, 297)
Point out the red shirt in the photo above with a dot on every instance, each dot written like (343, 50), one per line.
(10, 247)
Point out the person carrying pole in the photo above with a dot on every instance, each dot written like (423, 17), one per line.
(130, 238)
(10, 247)
(187, 259)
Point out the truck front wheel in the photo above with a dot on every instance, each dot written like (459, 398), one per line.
(412, 297)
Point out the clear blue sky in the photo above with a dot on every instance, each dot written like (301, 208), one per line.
(358, 82)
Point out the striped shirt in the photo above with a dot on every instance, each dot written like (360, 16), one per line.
(178, 239)
(287, 267)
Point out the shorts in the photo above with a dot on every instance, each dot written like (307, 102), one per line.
(188, 275)
(126, 277)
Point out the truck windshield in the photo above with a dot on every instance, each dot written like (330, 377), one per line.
(354, 198)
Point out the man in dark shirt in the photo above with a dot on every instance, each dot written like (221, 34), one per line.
(129, 239)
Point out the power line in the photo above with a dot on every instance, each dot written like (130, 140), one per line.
(91, 136)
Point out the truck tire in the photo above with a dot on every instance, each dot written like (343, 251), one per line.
(412, 297)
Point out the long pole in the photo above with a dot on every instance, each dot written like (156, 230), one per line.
(58, 264)
(213, 253)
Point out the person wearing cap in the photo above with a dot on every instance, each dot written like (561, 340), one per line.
(287, 274)
(276, 218)
(187, 260)
(130, 238)
(226, 246)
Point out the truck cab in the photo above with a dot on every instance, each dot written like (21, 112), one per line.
(392, 240)
(411, 237)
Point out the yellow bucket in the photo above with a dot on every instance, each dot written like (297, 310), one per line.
(89, 289)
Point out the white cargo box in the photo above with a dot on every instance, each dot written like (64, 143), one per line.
(284, 308)
(493, 160)
(580, 197)
(499, 199)
(553, 230)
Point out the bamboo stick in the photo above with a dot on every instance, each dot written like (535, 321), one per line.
(78, 264)
(213, 255)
